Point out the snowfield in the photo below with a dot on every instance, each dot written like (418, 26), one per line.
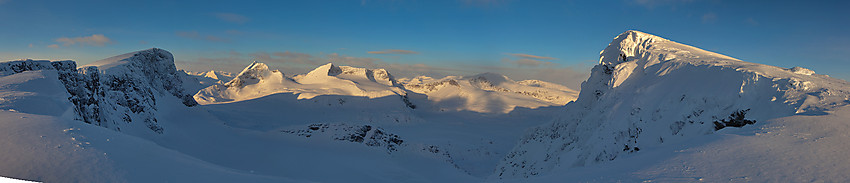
(652, 110)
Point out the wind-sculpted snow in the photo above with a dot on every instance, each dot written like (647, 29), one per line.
(648, 91)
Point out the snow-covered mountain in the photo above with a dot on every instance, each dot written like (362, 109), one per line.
(652, 110)
(213, 74)
(257, 80)
(489, 92)
(648, 92)
(120, 92)
(485, 93)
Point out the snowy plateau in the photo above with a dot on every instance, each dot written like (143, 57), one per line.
(652, 110)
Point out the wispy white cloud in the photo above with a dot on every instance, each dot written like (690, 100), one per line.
(528, 60)
(232, 18)
(30, 45)
(523, 55)
(53, 46)
(393, 52)
(93, 40)
(525, 62)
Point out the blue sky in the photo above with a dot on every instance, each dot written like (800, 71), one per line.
(554, 41)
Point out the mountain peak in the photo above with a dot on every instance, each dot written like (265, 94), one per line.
(627, 45)
(125, 58)
(255, 72)
(328, 69)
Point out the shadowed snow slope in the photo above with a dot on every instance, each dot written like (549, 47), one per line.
(648, 92)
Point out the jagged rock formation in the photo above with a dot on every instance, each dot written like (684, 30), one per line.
(366, 134)
(118, 91)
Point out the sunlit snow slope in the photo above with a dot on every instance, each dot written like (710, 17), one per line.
(649, 92)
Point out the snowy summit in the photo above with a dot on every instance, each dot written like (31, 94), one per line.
(652, 110)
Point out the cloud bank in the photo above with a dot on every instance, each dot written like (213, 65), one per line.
(93, 40)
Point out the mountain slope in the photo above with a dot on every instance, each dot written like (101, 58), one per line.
(120, 92)
(648, 91)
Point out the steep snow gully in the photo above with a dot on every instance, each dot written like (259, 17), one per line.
(651, 110)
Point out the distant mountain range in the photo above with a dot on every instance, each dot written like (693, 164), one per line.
(652, 110)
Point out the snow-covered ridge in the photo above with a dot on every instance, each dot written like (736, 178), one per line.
(489, 92)
(118, 92)
(257, 80)
(648, 91)
(213, 74)
(485, 93)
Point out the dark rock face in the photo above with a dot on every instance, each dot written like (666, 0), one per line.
(365, 134)
(120, 94)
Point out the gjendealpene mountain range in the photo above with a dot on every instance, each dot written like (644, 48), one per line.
(651, 110)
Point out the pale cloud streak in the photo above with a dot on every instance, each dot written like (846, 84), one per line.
(522, 55)
(232, 18)
(528, 60)
(393, 52)
(93, 40)
(525, 62)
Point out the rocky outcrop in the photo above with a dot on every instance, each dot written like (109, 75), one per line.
(118, 91)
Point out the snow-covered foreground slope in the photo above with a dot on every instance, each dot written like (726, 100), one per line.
(40, 141)
(800, 148)
(649, 92)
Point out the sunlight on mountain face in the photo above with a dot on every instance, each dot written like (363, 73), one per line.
(425, 91)
(648, 106)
